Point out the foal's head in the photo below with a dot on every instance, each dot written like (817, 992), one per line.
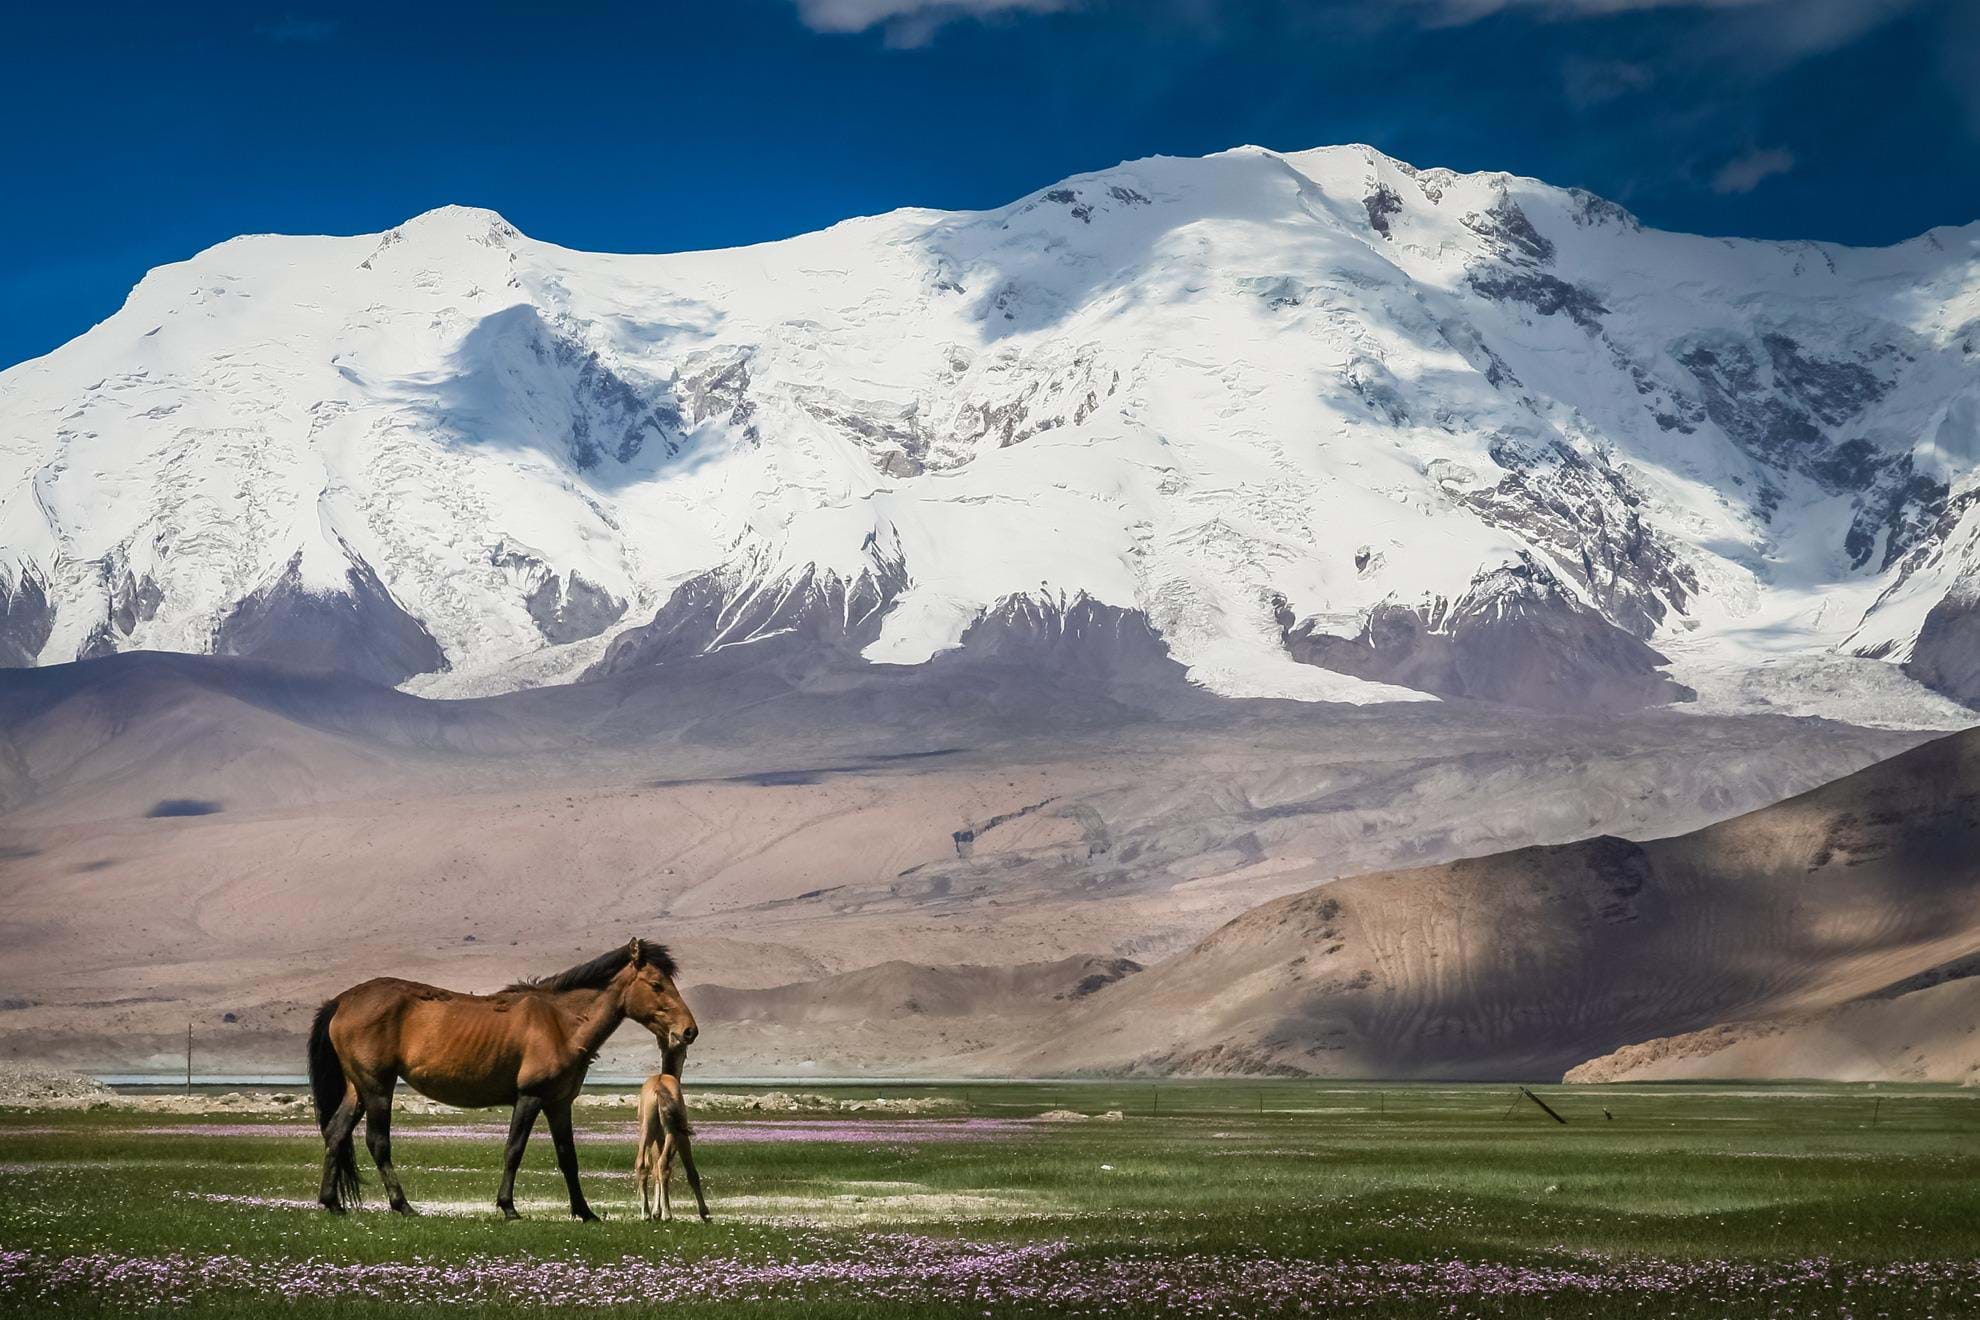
(653, 1000)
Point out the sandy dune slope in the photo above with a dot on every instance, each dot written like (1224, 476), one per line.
(209, 840)
(1528, 962)
(1930, 1034)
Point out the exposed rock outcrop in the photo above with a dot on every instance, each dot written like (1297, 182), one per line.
(1517, 637)
(361, 630)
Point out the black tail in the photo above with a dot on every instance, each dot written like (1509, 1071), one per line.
(327, 1086)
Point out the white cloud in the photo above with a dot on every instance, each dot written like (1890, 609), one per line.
(1593, 82)
(1466, 11)
(1784, 30)
(910, 22)
(1742, 174)
(1758, 38)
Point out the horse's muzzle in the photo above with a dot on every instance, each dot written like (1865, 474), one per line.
(687, 1037)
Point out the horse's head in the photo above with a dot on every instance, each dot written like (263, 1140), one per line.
(653, 1000)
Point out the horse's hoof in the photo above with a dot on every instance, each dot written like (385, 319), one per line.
(404, 1208)
(331, 1207)
(509, 1212)
(584, 1216)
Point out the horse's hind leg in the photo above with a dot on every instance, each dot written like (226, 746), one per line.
(378, 1138)
(339, 1168)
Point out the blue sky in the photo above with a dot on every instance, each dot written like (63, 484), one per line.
(137, 136)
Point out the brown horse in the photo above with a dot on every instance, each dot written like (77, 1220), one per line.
(528, 1046)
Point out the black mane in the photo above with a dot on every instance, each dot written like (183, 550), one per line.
(594, 974)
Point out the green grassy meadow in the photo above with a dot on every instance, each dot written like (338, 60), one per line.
(1206, 1199)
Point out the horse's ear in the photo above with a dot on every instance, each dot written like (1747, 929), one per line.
(635, 954)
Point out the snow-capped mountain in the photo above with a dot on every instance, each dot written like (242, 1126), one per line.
(1325, 425)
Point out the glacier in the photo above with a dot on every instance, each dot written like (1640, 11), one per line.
(1323, 425)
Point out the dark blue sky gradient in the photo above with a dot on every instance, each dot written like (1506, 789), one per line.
(137, 136)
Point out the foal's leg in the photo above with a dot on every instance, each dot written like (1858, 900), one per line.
(378, 1138)
(527, 1108)
(644, 1163)
(646, 1152)
(694, 1179)
(667, 1179)
(336, 1146)
(560, 1133)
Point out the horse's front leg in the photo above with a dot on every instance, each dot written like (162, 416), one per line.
(560, 1133)
(527, 1108)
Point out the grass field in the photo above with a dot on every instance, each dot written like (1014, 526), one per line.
(1207, 1199)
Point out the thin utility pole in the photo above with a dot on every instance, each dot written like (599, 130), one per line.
(188, 1058)
(1543, 1104)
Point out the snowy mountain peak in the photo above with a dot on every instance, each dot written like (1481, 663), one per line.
(467, 221)
(1329, 425)
(463, 224)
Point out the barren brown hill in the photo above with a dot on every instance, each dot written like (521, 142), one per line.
(185, 838)
(880, 1017)
(1526, 963)
(895, 988)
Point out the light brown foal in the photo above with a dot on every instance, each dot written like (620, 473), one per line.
(527, 1046)
(663, 1130)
